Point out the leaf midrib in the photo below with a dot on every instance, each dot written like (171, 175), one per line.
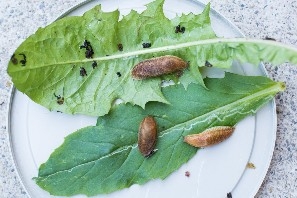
(172, 47)
(268, 91)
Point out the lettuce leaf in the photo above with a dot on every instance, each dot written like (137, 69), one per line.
(52, 69)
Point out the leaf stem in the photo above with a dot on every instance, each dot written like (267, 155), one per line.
(230, 41)
(266, 93)
(196, 43)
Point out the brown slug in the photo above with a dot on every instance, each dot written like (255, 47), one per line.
(158, 66)
(147, 136)
(210, 136)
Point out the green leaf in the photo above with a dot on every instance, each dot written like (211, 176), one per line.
(52, 77)
(54, 58)
(104, 158)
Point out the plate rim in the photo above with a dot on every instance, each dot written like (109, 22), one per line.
(261, 67)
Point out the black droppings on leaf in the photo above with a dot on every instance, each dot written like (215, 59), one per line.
(94, 64)
(89, 54)
(119, 74)
(179, 29)
(85, 44)
(89, 50)
(60, 100)
(120, 47)
(24, 61)
(182, 29)
(14, 60)
(229, 195)
(146, 45)
(83, 71)
(208, 64)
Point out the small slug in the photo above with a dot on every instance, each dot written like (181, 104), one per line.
(147, 136)
(210, 136)
(158, 66)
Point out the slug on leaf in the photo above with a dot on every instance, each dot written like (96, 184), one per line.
(210, 136)
(147, 136)
(158, 66)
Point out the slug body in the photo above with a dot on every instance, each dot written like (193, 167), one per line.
(147, 136)
(158, 66)
(210, 136)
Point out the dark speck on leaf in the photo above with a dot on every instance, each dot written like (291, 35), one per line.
(89, 50)
(146, 45)
(60, 100)
(119, 74)
(179, 29)
(24, 61)
(120, 47)
(14, 60)
(82, 71)
(85, 44)
(94, 64)
(89, 53)
(182, 29)
(208, 64)
(229, 195)
(187, 174)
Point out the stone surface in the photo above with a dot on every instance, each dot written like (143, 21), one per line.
(255, 18)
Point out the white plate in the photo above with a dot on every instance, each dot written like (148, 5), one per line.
(35, 133)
